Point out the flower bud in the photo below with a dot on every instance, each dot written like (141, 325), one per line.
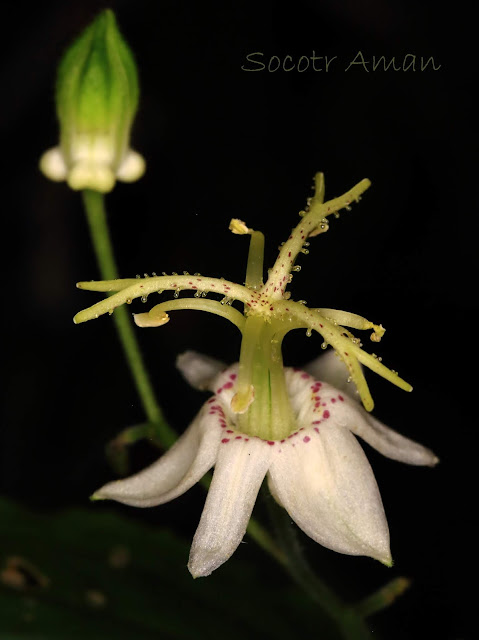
(96, 98)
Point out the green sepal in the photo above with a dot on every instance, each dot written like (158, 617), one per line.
(97, 86)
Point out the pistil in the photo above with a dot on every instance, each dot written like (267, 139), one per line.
(128, 290)
(310, 225)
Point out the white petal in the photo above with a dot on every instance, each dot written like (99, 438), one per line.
(388, 442)
(240, 469)
(176, 471)
(132, 167)
(89, 174)
(52, 165)
(324, 481)
(199, 370)
(310, 400)
(329, 368)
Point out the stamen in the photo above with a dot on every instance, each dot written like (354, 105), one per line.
(250, 344)
(254, 268)
(282, 418)
(153, 318)
(238, 227)
(156, 316)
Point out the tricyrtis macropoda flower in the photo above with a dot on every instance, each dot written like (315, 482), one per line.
(296, 427)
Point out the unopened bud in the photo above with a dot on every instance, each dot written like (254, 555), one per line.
(96, 97)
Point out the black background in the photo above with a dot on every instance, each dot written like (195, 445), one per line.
(221, 143)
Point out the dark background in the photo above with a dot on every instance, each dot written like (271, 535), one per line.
(221, 143)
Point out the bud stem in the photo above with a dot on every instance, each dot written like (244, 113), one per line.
(97, 221)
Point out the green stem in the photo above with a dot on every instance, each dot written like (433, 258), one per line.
(347, 621)
(97, 221)
(383, 597)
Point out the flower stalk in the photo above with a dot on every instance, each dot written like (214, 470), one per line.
(97, 221)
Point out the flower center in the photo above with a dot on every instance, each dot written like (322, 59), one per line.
(261, 400)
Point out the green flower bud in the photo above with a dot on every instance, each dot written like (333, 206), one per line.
(96, 97)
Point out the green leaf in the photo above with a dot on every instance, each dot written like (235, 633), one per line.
(90, 573)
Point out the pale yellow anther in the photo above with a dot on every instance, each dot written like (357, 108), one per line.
(377, 333)
(242, 400)
(238, 227)
(153, 318)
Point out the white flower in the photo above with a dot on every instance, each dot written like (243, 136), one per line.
(267, 420)
(318, 473)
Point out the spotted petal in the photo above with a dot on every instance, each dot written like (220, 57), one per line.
(240, 470)
(199, 370)
(176, 471)
(322, 478)
(329, 368)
